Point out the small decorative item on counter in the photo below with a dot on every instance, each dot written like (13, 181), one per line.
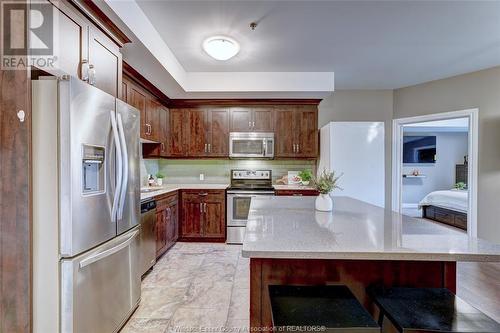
(305, 177)
(293, 177)
(324, 184)
(460, 186)
(159, 178)
(151, 180)
(282, 181)
(415, 172)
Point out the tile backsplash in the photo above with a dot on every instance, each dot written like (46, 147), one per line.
(216, 170)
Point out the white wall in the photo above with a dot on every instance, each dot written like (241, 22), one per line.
(474, 90)
(450, 150)
(363, 105)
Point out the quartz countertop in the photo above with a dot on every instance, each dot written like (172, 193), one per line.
(166, 188)
(293, 187)
(290, 227)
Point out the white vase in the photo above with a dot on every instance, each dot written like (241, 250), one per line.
(159, 181)
(305, 183)
(324, 203)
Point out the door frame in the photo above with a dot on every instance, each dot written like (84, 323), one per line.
(473, 145)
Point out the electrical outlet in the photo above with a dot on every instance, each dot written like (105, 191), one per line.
(202, 176)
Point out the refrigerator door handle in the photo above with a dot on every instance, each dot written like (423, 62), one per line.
(107, 253)
(119, 168)
(123, 145)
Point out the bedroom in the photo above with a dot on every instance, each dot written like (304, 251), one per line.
(435, 171)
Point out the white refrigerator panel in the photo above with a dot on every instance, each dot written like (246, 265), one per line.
(356, 149)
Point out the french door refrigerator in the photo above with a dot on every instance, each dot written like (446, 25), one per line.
(86, 207)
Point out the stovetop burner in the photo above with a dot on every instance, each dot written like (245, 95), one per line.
(251, 180)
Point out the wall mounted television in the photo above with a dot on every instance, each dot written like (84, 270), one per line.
(419, 149)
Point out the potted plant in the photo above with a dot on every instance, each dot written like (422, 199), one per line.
(324, 184)
(159, 178)
(305, 177)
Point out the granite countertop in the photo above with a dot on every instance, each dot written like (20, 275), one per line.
(166, 188)
(290, 227)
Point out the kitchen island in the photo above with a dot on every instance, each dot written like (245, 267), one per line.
(358, 245)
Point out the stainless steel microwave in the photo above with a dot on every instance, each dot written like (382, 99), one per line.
(251, 145)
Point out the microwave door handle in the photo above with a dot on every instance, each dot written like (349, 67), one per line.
(123, 143)
(119, 168)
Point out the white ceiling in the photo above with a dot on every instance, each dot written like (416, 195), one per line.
(368, 44)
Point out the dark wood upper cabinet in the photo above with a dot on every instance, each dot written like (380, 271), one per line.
(153, 110)
(163, 139)
(218, 132)
(307, 132)
(197, 129)
(177, 133)
(284, 127)
(251, 119)
(241, 119)
(137, 97)
(105, 63)
(296, 131)
(263, 119)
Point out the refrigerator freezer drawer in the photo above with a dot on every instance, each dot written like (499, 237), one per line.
(101, 288)
(235, 235)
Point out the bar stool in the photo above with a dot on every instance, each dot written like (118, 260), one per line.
(413, 310)
(331, 308)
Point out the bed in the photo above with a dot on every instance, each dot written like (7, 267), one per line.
(449, 207)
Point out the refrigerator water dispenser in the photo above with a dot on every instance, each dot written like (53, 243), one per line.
(93, 169)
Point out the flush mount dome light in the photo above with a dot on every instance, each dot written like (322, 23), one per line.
(221, 47)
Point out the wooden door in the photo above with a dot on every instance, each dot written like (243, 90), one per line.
(241, 119)
(263, 119)
(106, 58)
(218, 132)
(153, 110)
(191, 222)
(176, 133)
(307, 132)
(137, 97)
(197, 137)
(284, 129)
(71, 46)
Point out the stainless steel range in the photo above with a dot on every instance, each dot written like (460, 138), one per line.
(245, 185)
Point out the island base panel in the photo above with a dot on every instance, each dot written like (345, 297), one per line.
(356, 274)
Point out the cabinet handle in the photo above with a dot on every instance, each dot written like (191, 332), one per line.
(206, 147)
(253, 124)
(169, 213)
(91, 71)
(203, 194)
(85, 70)
(249, 124)
(293, 147)
(201, 207)
(148, 129)
(162, 147)
(298, 148)
(209, 148)
(204, 207)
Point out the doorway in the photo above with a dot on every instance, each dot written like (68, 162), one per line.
(418, 144)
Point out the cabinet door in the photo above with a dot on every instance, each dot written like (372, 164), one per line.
(175, 221)
(307, 132)
(263, 119)
(214, 215)
(161, 239)
(124, 91)
(105, 57)
(163, 131)
(137, 97)
(71, 46)
(198, 143)
(241, 119)
(153, 110)
(176, 133)
(191, 216)
(284, 129)
(218, 132)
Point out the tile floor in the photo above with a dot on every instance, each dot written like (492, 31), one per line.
(195, 287)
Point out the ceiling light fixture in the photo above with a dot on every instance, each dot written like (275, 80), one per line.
(221, 47)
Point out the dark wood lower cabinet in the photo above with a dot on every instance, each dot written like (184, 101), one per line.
(203, 215)
(166, 222)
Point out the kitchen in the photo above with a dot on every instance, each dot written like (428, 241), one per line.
(154, 194)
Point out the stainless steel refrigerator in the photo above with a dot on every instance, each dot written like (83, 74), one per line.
(86, 197)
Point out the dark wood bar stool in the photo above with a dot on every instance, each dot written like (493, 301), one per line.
(413, 310)
(294, 308)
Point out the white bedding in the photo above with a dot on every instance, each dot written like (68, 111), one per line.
(450, 199)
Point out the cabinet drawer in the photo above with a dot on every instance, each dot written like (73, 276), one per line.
(297, 193)
(444, 217)
(165, 200)
(212, 195)
(461, 221)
